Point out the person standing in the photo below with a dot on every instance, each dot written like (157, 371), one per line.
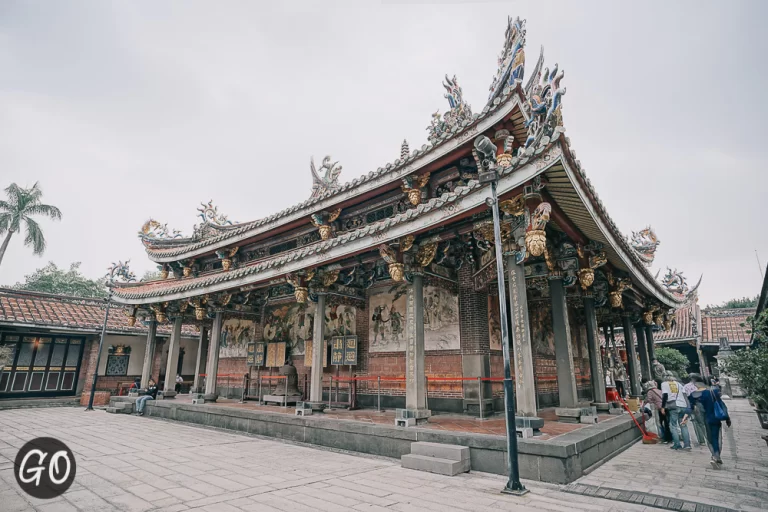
(653, 400)
(696, 385)
(675, 406)
(179, 382)
(714, 413)
(150, 394)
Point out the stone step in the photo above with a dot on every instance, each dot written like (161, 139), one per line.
(441, 451)
(124, 407)
(434, 464)
(112, 410)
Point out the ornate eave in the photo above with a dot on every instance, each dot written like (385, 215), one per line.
(492, 114)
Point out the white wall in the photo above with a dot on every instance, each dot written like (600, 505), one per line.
(138, 344)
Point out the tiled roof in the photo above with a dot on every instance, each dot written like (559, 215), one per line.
(311, 205)
(63, 311)
(682, 325)
(725, 323)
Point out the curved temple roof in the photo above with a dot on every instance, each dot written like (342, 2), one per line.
(567, 184)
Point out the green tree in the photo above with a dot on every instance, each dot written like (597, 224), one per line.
(19, 207)
(673, 360)
(750, 366)
(744, 302)
(151, 275)
(52, 279)
(758, 326)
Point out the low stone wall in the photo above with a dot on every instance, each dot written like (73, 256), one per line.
(560, 460)
(26, 403)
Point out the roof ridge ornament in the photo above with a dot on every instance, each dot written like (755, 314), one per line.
(543, 108)
(459, 111)
(329, 181)
(153, 230)
(644, 243)
(675, 283)
(511, 60)
(210, 215)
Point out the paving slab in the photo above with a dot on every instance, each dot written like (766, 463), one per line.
(165, 470)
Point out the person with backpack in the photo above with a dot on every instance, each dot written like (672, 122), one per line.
(715, 412)
(675, 407)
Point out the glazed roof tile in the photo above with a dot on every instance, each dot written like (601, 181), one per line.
(314, 204)
(726, 323)
(64, 311)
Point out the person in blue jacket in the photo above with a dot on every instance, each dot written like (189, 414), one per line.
(707, 398)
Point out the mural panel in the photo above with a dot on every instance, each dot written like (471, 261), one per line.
(291, 323)
(494, 322)
(236, 333)
(542, 335)
(294, 324)
(387, 325)
(441, 319)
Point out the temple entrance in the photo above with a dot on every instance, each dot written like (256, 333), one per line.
(41, 366)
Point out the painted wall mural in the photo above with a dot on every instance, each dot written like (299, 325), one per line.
(387, 323)
(236, 333)
(291, 323)
(494, 322)
(386, 332)
(542, 336)
(294, 323)
(441, 319)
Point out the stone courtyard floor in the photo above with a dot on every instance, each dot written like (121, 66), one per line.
(134, 464)
(742, 483)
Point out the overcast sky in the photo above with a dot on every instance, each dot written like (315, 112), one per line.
(126, 110)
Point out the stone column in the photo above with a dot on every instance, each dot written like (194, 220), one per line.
(525, 386)
(318, 348)
(566, 377)
(171, 366)
(212, 366)
(149, 354)
(415, 372)
(629, 344)
(202, 355)
(651, 346)
(645, 363)
(597, 375)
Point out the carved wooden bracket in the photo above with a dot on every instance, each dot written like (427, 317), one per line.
(322, 221)
(226, 255)
(412, 186)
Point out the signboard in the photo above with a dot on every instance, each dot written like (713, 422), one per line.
(337, 350)
(256, 354)
(276, 355)
(308, 346)
(344, 350)
(350, 350)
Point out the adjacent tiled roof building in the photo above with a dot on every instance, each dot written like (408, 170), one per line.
(45, 310)
(726, 323)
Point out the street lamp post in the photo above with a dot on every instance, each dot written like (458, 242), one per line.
(117, 271)
(489, 174)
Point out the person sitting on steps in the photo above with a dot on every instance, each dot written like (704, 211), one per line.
(149, 394)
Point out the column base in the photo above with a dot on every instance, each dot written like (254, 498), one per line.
(169, 393)
(211, 397)
(601, 406)
(533, 422)
(576, 414)
(411, 417)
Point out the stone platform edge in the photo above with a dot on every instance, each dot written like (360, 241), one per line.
(561, 460)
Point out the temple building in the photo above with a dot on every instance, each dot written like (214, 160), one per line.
(53, 343)
(392, 275)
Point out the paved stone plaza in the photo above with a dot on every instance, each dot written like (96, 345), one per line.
(742, 484)
(135, 464)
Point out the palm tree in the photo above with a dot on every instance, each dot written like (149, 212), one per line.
(21, 204)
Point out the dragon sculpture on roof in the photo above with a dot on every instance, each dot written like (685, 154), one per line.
(153, 230)
(459, 112)
(644, 243)
(329, 181)
(544, 106)
(511, 59)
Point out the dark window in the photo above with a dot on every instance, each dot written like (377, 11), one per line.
(381, 213)
(117, 365)
(285, 246)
